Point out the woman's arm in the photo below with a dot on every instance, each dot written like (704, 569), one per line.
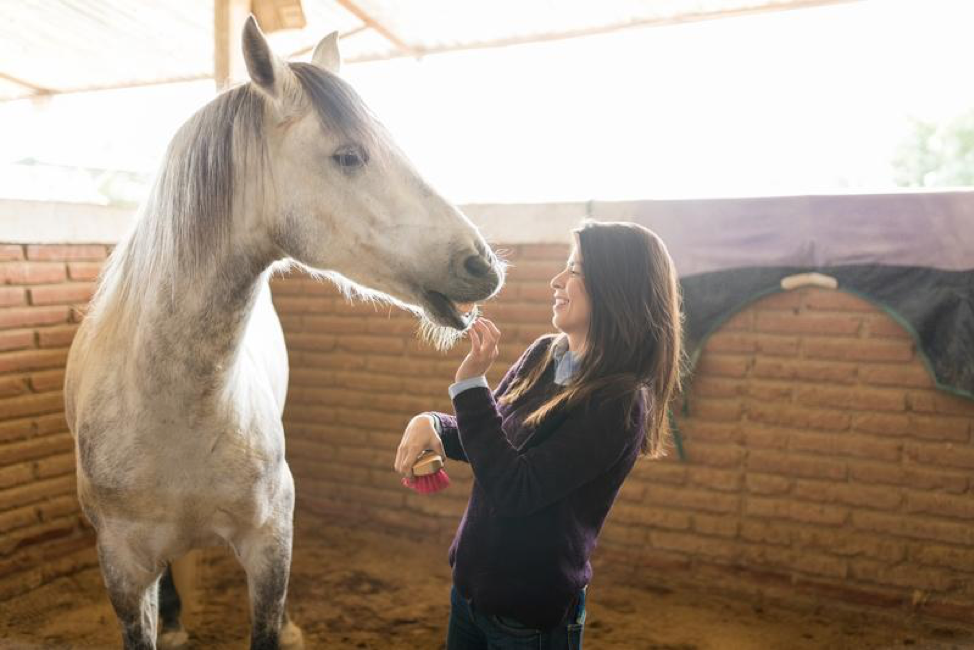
(588, 443)
(446, 425)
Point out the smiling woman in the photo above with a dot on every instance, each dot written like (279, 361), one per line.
(552, 445)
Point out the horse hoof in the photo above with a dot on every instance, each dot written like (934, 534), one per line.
(173, 639)
(291, 637)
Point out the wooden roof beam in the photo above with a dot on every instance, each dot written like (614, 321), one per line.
(386, 33)
(38, 90)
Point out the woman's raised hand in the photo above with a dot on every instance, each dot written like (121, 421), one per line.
(484, 337)
(419, 436)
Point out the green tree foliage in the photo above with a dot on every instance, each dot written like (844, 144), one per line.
(937, 155)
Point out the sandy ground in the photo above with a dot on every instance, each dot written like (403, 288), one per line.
(356, 588)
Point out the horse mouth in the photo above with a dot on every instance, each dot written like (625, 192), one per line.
(443, 311)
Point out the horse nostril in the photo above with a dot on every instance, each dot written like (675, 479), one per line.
(476, 266)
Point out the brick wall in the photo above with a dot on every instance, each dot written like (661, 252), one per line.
(43, 290)
(821, 461)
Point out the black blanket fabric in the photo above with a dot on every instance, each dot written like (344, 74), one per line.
(935, 306)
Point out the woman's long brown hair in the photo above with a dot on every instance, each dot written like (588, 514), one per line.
(634, 343)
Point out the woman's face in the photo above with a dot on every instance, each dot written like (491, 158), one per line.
(572, 309)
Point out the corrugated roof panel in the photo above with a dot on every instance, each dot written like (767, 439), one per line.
(71, 45)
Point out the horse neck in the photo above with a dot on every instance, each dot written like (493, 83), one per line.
(187, 325)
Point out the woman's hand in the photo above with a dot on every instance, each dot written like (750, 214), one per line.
(484, 337)
(419, 436)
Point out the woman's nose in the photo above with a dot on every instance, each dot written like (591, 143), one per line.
(556, 281)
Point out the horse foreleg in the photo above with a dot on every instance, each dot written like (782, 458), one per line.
(266, 557)
(172, 635)
(132, 589)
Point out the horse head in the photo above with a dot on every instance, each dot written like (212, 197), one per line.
(346, 201)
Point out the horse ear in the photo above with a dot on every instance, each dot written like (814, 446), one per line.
(327, 55)
(266, 71)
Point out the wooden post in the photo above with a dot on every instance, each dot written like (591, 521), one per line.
(228, 22)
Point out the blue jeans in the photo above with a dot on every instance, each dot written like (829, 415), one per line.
(473, 630)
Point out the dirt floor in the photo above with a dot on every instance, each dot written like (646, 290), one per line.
(356, 588)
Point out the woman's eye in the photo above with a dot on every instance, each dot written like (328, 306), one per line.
(350, 158)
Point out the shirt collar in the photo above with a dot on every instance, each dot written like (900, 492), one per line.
(566, 363)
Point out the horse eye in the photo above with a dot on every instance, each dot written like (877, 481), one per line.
(350, 158)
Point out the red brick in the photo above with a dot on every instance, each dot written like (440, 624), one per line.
(784, 300)
(950, 557)
(954, 429)
(33, 360)
(62, 294)
(73, 252)
(945, 455)
(23, 406)
(884, 327)
(557, 252)
(821, 565)
(55, 466)
(738, 342)
(767, 483)
(718, 432)
(770, 391)
(534, 270)
(900, 525)
(845, 445)
(722, 365)
(716, 455)
(84, 271)
(720, 410)
(11, 252)
(858, 350)
(715, 479)
(669, 473)
(811, 513)
(16, 340)
(849, 543)
(49, 380)
(806, 324)
(911, 376)
(798, 418)
(531, 292)
(28, 316)
(12, 296)
(942, 505)
(694, 499)
(758, 437)
(15, 475)
(839, 398)
(887, 424)
(843, 373)
(741, 321)
(521, 313)
(755, 530)
(836, 301)
(311, 341)
(774, 462)
(57, 337)
(31, 272)
(11, 386)
(940, 403)
(718, 526)
(904, 575)
(693, 544)
(874, 498)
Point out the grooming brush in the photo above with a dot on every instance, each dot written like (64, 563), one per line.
(429, 474)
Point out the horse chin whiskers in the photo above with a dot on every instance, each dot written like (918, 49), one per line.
(441, 337)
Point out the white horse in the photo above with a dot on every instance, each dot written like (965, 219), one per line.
(176, 380)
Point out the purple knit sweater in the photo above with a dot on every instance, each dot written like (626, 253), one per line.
(522, 548)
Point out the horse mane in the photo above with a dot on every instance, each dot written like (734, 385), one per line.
(187, 219)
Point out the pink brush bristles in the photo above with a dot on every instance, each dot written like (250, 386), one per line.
(428, 484)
